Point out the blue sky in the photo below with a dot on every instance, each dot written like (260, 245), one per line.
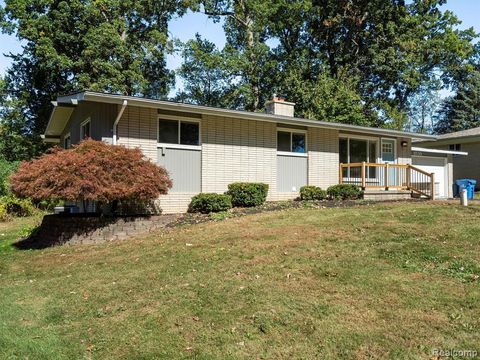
(184, 28)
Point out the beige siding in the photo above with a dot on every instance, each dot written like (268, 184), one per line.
(138, 128)
(323, 160)
(467, 167)
(174, 203)
(237, 150)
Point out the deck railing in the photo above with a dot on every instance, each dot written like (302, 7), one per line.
(388, 176)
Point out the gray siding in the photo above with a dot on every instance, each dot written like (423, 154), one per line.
(101, 117)
(291, 173)
(184, 168)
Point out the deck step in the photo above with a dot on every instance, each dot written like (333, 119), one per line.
(382, 195)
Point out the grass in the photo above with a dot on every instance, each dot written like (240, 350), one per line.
(385, 281)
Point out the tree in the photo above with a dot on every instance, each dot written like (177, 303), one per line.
(107, 45)
(381, 51)
(247, 55)
(461, 111)
(92, 170)
(423, 107)
(204, 74)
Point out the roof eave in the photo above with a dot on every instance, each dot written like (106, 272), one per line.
(205, 110)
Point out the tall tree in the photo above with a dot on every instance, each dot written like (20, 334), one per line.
(423, 107)
(205, 76)
(461, 111)
(107, 45)
(246, 53)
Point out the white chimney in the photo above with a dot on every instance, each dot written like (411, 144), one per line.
(278, 106)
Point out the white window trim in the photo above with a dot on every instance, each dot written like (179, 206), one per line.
(82, 125)
(179, 119)
(292, 131)
(65, 137)
(287, 153)
(360, 137)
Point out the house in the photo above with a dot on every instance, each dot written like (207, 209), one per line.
(466, 142)
(205, 148)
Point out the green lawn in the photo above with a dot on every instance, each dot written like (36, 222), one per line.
(370, 282)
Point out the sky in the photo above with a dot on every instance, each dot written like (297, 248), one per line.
(186, 27)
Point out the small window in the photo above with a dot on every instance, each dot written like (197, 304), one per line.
(178, 132)
(67, 143)
(290, 141)
(387, 148)
(455, 147)
(85, 130)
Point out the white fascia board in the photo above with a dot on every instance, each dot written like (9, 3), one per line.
(437, 151)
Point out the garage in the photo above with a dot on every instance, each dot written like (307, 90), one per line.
(438, 162)
(438, 166)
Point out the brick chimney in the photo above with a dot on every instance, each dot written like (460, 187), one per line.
(278, 106)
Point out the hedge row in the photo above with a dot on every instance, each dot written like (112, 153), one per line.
(239, 195)
(335, 192)
(244, 194)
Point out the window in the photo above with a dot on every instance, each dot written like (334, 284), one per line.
(387, 147)
(455, 147)
(291, 141)
(352, 150)
(85, 130)
(178, 132)
(67, 143)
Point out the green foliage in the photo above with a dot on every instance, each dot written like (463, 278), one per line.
(461, 111)
(113, 46)
(17, 207)
(247, 194)
(3, 212)
(6, 169)
(206, 203)
(204, 74)
(344, 192)
(312, 193)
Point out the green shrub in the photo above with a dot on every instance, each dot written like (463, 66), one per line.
(206, 203)
(344, 192)
(246, 194)
(6, 169)
(3, 212)
(17, 207)
(312, 193)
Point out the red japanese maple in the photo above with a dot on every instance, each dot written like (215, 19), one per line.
(92, 170)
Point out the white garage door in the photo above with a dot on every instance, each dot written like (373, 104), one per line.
(436, 165)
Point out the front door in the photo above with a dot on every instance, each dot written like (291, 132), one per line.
(388, 157)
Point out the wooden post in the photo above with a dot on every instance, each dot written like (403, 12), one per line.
(340, 175)
(432, 177)
(364, 182)
(386, 176)
(408, 176)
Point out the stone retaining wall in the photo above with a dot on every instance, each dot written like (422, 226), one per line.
(82, 229)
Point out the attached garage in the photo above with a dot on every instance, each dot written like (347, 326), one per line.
(438, 162)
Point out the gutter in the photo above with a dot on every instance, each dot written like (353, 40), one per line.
(117, 120)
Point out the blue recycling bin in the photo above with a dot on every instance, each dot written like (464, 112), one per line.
(468, 184)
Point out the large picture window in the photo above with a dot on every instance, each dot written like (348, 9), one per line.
(178, 132)
(291, 141)
(354, 150)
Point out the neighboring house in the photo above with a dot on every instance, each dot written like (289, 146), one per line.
(205, 149)
(466, 141)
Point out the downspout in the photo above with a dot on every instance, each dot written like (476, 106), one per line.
(119, 116)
